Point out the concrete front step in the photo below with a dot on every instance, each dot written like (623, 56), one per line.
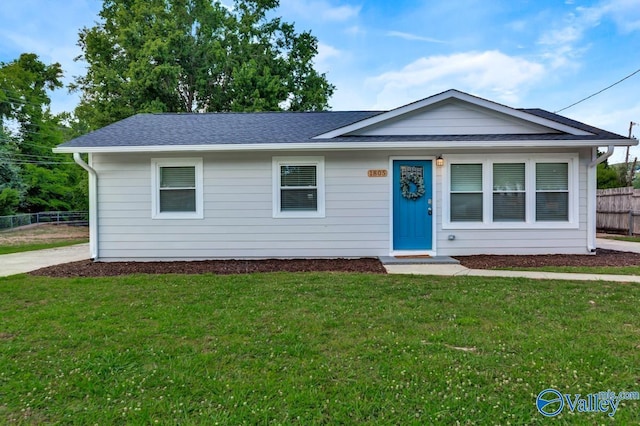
(435, 260)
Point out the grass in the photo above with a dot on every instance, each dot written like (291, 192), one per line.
(18, 248)
(311, 349)
(607, 270)
(41, 237)
(631, 239)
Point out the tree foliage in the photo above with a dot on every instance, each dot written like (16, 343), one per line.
(609, 176)
(32, 178)
(196, 56)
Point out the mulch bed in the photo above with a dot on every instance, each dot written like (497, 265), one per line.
(87, 268)
(601, 258)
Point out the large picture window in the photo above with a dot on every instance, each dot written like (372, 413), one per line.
(298, 187)
(177, 188)
(497, 192)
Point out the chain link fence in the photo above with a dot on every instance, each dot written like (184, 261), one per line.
(70, 218)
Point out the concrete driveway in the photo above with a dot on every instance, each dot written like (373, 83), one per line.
(19, 263)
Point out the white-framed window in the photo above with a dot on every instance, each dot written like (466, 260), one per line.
(466, 192)
(508, 191)
(177, 188)
(552, 192)
(298, 187)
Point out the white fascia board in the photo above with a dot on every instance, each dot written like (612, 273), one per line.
(338, 146)
(453, 94)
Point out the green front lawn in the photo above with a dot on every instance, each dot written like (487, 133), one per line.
(311, 349)
(632, 239)
(19, 248)
(607, 270)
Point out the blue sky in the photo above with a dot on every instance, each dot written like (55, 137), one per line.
(382, 54)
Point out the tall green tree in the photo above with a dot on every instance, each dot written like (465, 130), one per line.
(32, 178)
(196, 56)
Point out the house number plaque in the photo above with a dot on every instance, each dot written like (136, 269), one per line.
(377, 173)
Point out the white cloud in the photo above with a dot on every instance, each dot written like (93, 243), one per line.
(625, 13)
(355, 30)
(340, 13)
(490, 74)
(408, 36)
(322, 60)
(562, 43)
(321, 9)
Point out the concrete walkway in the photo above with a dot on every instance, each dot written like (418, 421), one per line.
(19, 263)
(605, 243)
(459, 270)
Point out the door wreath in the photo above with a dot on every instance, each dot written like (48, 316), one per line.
(405, 186)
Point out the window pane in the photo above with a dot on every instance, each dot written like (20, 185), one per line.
(552, 176)
(178, 200)
(509, 207)
(552, 206)
(299, 199)
(466, 207)
(297, 175)
(466, 177)
(177, 177)
(508, 177)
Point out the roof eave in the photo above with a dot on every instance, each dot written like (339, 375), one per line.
(338, 146)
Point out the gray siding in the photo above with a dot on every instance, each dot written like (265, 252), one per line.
(238, 220)
(454, 118)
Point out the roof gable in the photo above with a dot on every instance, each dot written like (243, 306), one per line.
(454, 113)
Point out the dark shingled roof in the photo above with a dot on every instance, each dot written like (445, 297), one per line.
(281, 127)
(603, 134)
(218, 128)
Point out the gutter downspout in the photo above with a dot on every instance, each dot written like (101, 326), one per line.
(591, 195)
(93, 204)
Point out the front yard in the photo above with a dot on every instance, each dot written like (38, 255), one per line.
(43, 236)
(311, 348)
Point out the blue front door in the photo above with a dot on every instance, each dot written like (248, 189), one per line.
(412, 205)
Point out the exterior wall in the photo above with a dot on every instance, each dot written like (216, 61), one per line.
(238, 217)
(552, 240)
(453, 118)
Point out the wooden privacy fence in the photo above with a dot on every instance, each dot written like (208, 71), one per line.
(618, 210)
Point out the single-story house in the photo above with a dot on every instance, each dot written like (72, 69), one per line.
(452, 174)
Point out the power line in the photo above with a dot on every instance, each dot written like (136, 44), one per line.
(19, 143)
(597, 93)
(19, 154)
(38, 163)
